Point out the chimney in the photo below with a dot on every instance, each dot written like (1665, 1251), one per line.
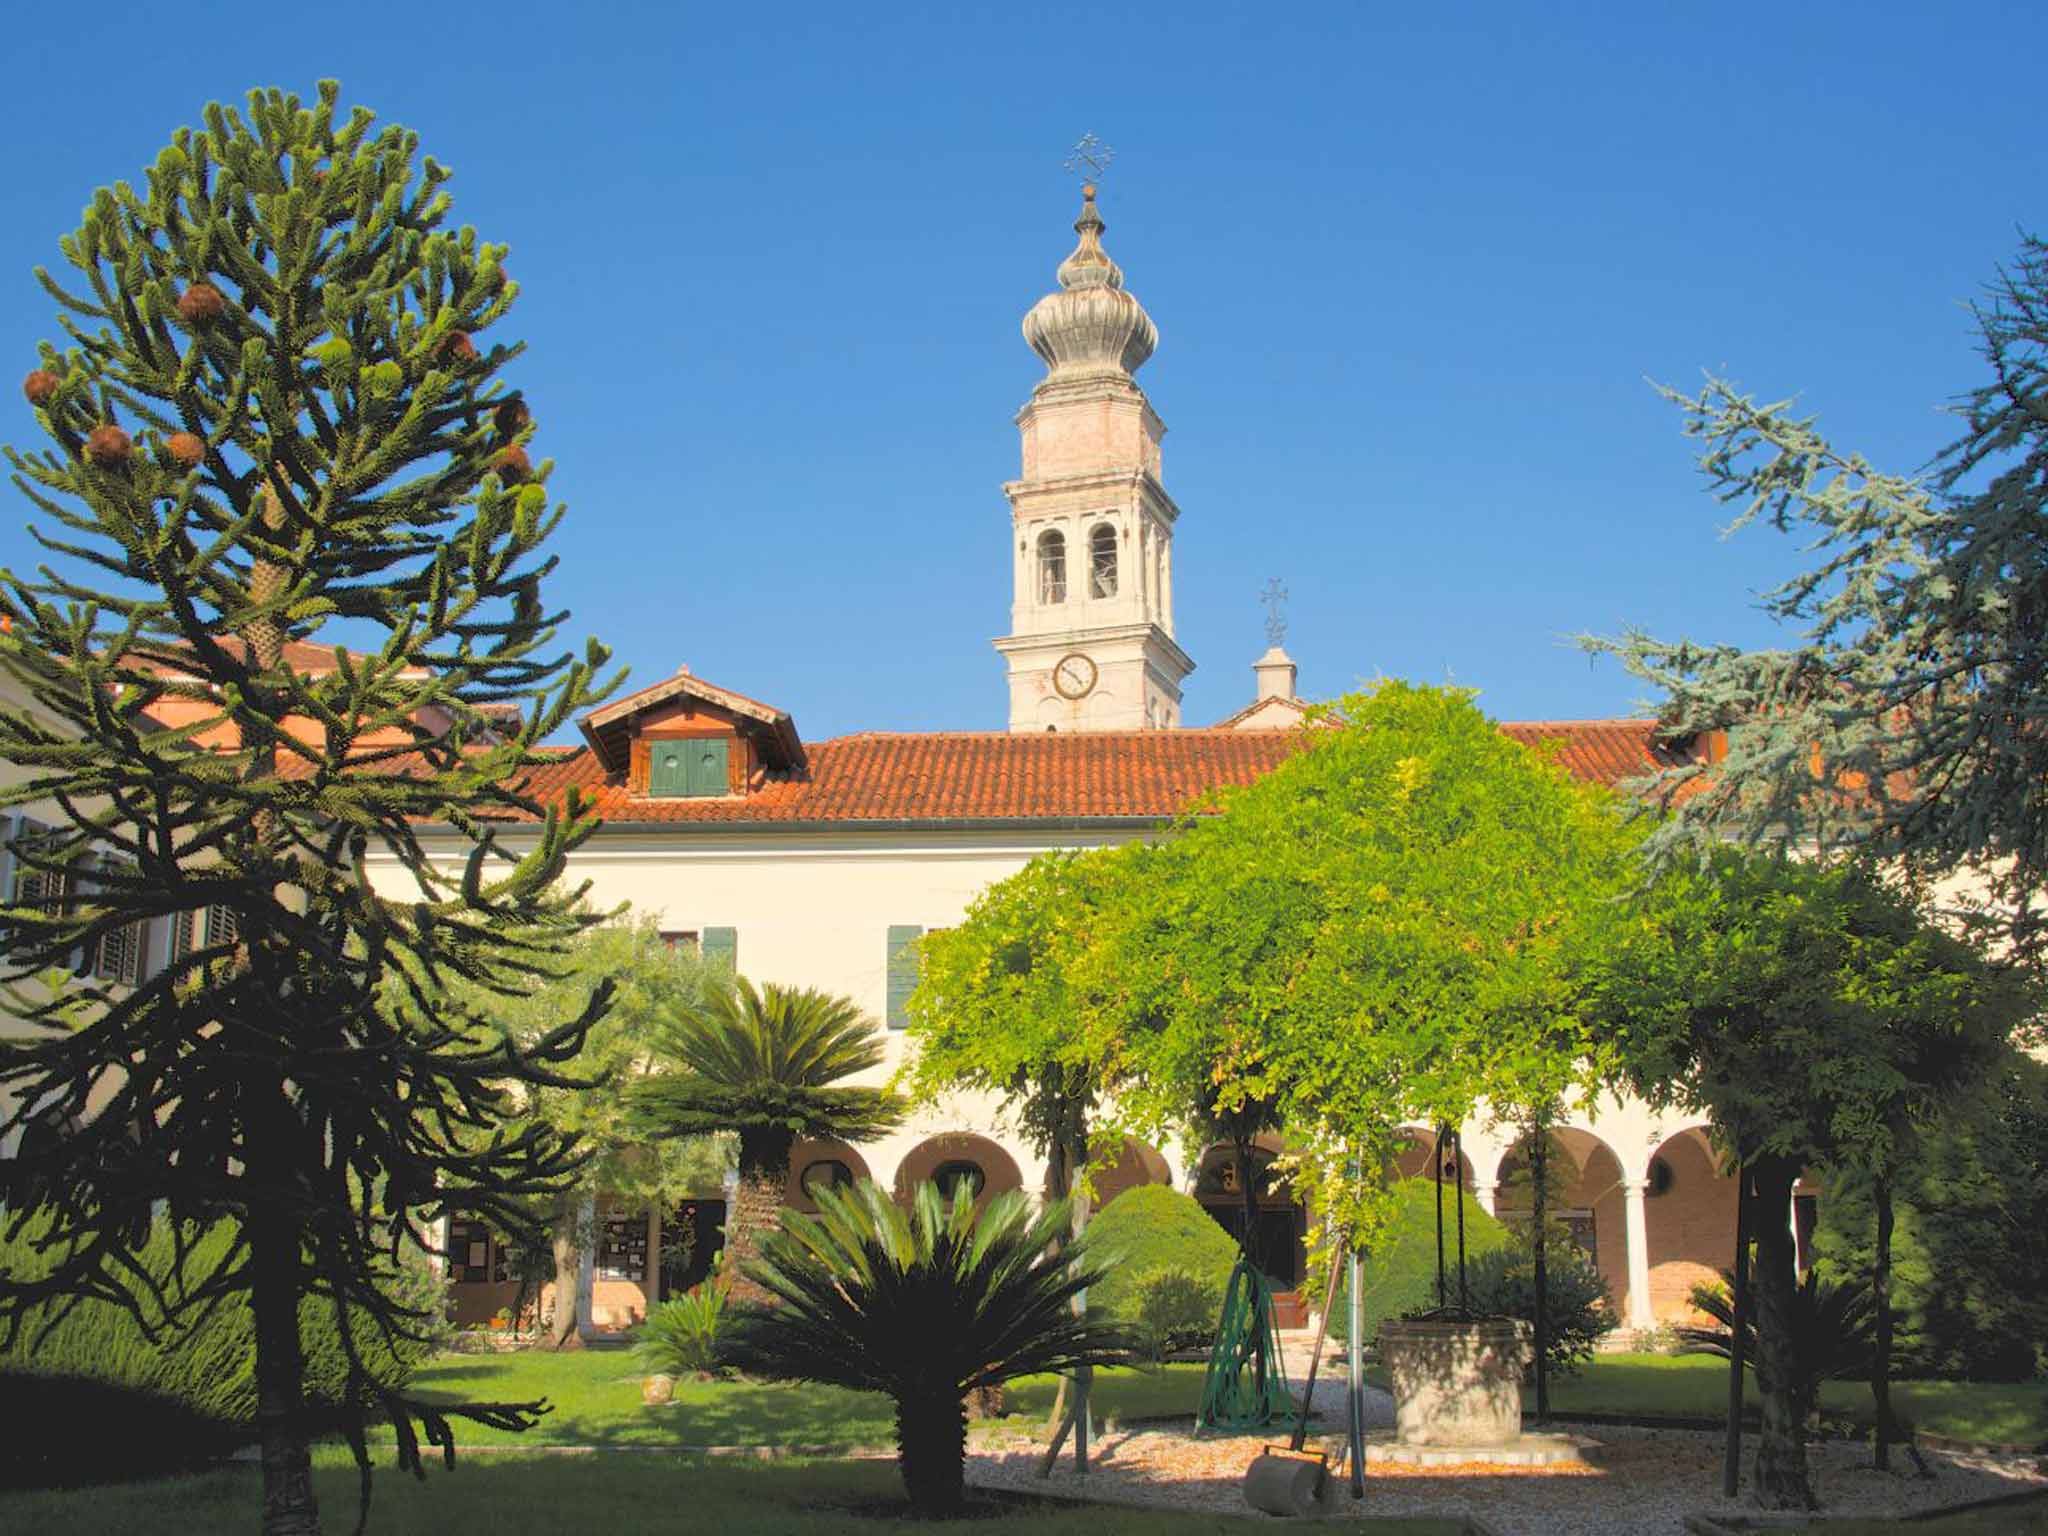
(1275, 672)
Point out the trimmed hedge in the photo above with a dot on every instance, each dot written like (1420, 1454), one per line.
(96, 1401)
(1400, 1268)
(1152, 1228)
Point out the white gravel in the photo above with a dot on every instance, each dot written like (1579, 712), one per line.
(1642, 1482)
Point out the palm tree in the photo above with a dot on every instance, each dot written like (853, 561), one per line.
(766, 1065)
(1833, 1334)
(927, 1305)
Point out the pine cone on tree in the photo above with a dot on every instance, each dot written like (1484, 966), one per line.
(40, 387)
(459, 349)
(512, 465)
(511, 418)
(188, 448)
(200, 303)
(109, 447)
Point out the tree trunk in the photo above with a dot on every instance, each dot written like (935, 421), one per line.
(568, 1245)
(931, 1452)
(756, 1209)
(1782, 1481)
(1739, 1311)
(1881, 1293)
(289, 1508)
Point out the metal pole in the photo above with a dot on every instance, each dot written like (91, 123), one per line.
(1355, 1385)
(1437, 1173)
(1458, 1183)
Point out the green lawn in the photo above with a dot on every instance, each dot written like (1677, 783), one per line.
(623, 1495)
(596, 1394)
(1696, 1386)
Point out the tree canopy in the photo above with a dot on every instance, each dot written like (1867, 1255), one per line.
(1382, 931)
(280, 427)
(1909, 715)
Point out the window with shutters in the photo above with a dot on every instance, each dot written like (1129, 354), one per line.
(722, 945)
(689, 768)
(120, 955)
(216, 924)
(680, 938)
(902, 972)
(44, 889)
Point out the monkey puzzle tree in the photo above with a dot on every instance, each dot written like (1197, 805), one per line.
(279, 426)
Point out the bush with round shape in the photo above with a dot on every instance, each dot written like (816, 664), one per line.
(1175, 1309)
(1399, 1271)
(1150, 1228)
(1502, 1282)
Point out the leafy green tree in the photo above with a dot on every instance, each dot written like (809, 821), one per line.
(650, 981)
(769, 1066)
(280, 425)
(1971, 1192)
(926, 1305)
(1380, 931)
(1906, 716)
(1808, 1011)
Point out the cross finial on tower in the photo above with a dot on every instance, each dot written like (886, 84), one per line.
(1275, 598)
(1090, 158)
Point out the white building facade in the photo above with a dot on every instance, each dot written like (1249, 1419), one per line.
(821, 864)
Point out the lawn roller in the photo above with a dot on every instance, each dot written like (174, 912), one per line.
(1286, 1479)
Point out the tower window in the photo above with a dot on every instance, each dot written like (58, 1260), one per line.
(1052, 567)
(1102, 562)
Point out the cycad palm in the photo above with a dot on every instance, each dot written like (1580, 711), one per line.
(926, 1305)
(768, 1066)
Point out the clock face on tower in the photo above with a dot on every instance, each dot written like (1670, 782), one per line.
(1073, 676)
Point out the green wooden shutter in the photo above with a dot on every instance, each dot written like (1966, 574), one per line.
(707, 767)
(902, 971)
(723, 944)
(668, 768)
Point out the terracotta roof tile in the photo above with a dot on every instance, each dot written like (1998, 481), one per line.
(981, 776)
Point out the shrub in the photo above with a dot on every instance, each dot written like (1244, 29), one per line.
(1831, 1336)
(681, 1337)
(1174, 1309)
(929, 1305)
(1151, 1228)
(1399, 1271)
(95, 1381)
(1502, 1281)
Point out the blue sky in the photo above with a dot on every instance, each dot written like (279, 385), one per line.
(1412, 267)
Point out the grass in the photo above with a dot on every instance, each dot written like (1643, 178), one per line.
(596, 1397)
(1696, 1386)
(626, 1495)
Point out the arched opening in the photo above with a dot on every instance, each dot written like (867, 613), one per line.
(1052, 567)
(1136, 1164)
(815, 1165)
(1586, 1200)
(1102, 561)
(1416, 1162)
(1689, 1214)
(1279, 1238)
(957, 1157)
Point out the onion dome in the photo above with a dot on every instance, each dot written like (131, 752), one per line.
(1091, 325)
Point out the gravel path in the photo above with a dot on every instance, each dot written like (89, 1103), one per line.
(1638, 1482)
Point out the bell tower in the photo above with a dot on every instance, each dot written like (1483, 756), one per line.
(1091, 644)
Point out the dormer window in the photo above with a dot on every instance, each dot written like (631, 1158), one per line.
(689, 769)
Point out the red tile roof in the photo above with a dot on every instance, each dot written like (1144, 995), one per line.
(995, 776)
